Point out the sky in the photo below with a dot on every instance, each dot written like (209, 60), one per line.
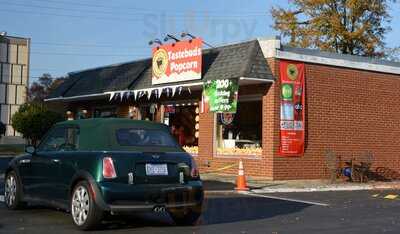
(72, 35)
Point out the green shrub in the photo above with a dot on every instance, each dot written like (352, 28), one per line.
(34, 120)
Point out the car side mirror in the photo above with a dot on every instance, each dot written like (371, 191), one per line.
(30, 149)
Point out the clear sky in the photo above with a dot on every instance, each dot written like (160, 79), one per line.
(70, 35)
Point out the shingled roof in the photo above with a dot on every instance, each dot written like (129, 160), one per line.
(226, 62)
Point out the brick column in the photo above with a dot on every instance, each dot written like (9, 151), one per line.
(206, 139)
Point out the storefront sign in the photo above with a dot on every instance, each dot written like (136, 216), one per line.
(180, 61)
(292, 108)
(220, 96)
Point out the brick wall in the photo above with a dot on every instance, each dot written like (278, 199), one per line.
(348, 111)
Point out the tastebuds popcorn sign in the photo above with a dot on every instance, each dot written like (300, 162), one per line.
(180, 61)
(292, 108)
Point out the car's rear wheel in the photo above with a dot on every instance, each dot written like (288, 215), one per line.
(85, 213)
(186, 216)
(13, 191)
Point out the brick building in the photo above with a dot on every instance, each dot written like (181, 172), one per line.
(350, 107)
(14, 77)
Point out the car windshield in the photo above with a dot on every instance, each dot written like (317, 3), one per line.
(144, 137)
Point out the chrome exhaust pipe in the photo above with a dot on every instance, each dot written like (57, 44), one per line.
(159, 209)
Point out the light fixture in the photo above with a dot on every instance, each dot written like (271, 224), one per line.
(186, 34)
(171, 37)
(157, 41)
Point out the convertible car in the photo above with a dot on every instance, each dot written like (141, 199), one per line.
(99, 166)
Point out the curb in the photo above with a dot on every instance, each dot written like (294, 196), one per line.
(328, 189)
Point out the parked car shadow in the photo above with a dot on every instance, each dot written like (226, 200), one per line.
(217, 185)
(216, 210)
(244, 208)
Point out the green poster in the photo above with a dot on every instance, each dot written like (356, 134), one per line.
(221, 96)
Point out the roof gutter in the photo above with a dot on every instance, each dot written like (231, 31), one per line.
(75, 97)
(257, 79)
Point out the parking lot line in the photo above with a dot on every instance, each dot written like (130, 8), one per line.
(285, 199)
(1, 198)
(391, 196)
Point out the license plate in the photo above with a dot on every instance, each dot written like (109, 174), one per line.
(156, 169)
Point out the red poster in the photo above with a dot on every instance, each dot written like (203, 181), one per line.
(180, 61)
(292, 123)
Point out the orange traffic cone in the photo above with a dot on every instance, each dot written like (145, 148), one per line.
(241, 184)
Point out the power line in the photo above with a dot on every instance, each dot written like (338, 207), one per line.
(113, 13)
(87, 45)
(64, 15)
(79, 54)
(142, 9)
(129, 14)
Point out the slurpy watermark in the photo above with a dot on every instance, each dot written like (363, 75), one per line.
(212, 27)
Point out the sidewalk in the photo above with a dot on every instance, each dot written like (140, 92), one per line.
(260, 185)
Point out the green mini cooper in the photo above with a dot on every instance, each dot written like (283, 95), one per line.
(97, 166)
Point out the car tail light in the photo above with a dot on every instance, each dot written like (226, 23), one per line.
(108, 168)
(194, 172)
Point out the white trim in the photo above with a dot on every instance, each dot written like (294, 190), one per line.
(257, 79)
(74, 97)
(337, 62)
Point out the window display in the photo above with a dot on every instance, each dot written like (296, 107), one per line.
(240, 133)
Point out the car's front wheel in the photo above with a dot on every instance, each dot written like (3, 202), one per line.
(187, 216)
(13, 191)
(85, 213)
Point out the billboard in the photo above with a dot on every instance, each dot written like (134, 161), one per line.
(292, 121)
(180, 61)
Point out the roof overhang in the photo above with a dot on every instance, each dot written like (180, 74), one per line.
(250, 81)
(193, 86)
(272, 48)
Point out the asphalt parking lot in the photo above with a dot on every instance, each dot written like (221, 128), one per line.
(228, 212)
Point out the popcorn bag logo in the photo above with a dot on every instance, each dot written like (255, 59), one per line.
(180, 61)
(292, 72)
(160, 62)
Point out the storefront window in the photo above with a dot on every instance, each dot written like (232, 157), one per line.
(240, 133)
(183, 120)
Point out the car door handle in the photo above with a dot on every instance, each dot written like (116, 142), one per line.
(25, 161)
(55, 160)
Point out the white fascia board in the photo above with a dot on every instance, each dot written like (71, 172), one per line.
(257, 79)
(271, 48)
(337, 62)
(74, 97)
